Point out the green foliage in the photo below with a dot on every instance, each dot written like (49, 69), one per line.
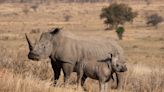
(120, 31)
(116, 14)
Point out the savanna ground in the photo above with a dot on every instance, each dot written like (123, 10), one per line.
(143, 46)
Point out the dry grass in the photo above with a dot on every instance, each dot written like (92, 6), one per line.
(17, 83)
(144, 46)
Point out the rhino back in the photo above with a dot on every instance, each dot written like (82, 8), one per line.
(73, 49)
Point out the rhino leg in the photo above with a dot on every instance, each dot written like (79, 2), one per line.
(81, 77)
(115, 81)
(106, 87)
(67, 70)
(56, 66)
(102, 86)
(80, 73)
(119, 80)
(83, 80)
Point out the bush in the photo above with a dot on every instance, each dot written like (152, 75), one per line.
(35, 7)
(154, 20)
(147, 2)
(37, 30)
(116, 14)
(67, 18)
(120, 31)
(25, 10)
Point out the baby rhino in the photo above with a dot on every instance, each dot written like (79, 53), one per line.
(100, 70)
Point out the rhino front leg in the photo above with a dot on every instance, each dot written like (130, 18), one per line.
(102, 86)
(119, 80)
(56, 66)
(115, 80)
(67, 70)
(106, 86)
(79, 76)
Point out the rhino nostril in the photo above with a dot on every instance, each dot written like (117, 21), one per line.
(30, 55)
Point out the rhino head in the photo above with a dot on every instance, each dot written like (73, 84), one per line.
(43, 48)
(117, 65)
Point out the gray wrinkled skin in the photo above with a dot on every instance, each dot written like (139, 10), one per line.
(66, 49)
(43, 48)
(101, 70)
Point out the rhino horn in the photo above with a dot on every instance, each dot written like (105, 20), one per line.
(29, 43)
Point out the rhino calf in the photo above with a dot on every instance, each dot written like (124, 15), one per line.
(100, 70)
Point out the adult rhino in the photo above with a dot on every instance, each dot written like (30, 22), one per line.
(66, 49)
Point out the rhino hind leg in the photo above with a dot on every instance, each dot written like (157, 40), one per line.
(56, 66)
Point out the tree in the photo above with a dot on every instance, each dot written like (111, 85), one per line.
(154, 20)
(116, 14)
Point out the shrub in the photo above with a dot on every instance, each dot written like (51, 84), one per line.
(25, 10)
(147, 2)
(116, 14)
(120, 31)
(35, 7)
(37, 30)
(154, 20)
(67, 18)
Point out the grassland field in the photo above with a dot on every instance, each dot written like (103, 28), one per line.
(143, 46)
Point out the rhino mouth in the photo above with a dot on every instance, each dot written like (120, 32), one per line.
(124, 69)
(121, 69)
(33, 57)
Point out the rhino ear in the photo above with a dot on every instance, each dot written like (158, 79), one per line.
(109, 55)
(115, 59)
(56, 30)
